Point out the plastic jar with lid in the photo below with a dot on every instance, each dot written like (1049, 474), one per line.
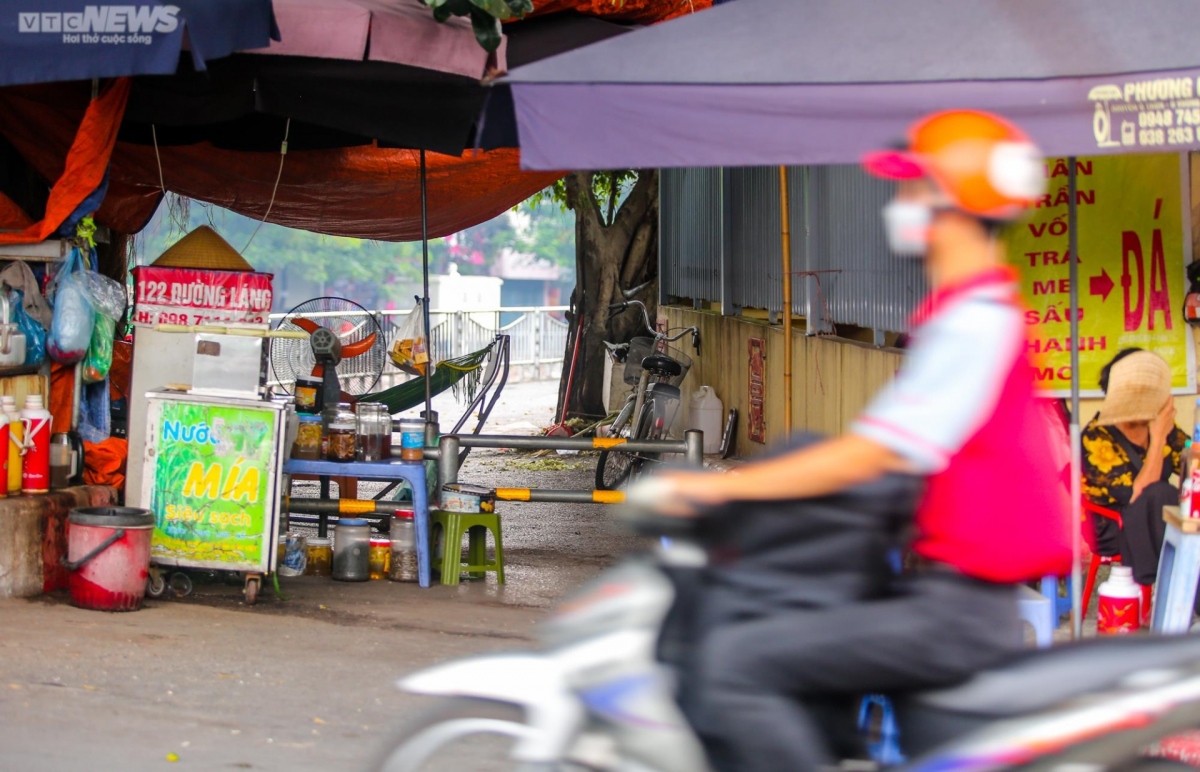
(340, 431)
(351, 550)
(380, 559)
(320, 557)
(404, 548)
(309, 394)
(412, 439)
(308, 438)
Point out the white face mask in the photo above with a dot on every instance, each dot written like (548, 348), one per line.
(907, 226)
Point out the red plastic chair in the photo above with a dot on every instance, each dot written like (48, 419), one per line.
(1097, 560)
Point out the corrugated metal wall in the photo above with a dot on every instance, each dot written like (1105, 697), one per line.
(690, 233)
(755, 238)
(873, 288)
(837, 228)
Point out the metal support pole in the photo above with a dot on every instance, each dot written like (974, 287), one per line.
(518, 442)
(539, 329)
(1076, 454)
(786, 249)
(348, 507)
(693, 440)
(76, 396)
(425, 277)
(447, 460)
(323, 525)
(564, 497)
(808, 263)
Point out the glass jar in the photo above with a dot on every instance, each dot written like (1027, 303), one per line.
(308, 438)
(351, 550)
(309, 391)
(340, 430)
(320, 557)
(370, 418)
(380, 557)
(404, 548)
(412, 439)
(385, 445)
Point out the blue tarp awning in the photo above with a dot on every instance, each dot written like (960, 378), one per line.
(58, 40)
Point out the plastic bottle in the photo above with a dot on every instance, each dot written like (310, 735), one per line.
(16, 434)
(1120, 610)
(35, 471)
(706, 414)
(4, 443)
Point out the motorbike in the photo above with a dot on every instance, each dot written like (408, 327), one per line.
(602, 691)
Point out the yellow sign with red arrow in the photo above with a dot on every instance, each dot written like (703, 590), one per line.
(1134, 241)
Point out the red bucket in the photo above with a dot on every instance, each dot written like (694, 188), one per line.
(108, 555)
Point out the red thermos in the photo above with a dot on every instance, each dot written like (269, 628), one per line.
(35, 473)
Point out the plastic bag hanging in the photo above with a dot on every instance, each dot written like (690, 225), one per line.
(35, 333)
(74, 314)
(410, 352)
(109, 299)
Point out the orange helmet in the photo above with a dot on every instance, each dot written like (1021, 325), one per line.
(984, 164)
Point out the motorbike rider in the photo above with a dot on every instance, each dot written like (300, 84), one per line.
(961, 412)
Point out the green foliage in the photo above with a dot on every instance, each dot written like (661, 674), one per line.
(609, 188)
(485, 15)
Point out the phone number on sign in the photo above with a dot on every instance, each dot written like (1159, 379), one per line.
(180, 317)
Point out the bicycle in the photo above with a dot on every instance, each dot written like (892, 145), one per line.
(650, 407)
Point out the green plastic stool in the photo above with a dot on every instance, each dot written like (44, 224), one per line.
(454, 525)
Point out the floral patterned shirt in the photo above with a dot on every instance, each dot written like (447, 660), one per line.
(1108, 473)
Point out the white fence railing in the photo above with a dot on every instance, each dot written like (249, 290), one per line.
(537, 336)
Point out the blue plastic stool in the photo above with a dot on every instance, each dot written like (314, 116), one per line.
(1178, 573)
(1039, 611)
(1062, 604)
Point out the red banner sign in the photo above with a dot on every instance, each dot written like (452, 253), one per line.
(192, 296)
(757, 428)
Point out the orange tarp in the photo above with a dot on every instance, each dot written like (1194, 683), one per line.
(364, 192)
(83, 166)
(640, 11)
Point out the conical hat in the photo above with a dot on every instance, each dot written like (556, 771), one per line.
(1138, 387)
(202, 248)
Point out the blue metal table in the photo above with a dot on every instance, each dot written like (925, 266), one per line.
(412, 472)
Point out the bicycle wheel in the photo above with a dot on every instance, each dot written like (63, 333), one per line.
(634, 462)
(613, 466)
(652, 426)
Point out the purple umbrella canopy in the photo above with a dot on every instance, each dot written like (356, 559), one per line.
(765, 82)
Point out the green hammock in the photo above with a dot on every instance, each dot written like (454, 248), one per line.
(459, 374)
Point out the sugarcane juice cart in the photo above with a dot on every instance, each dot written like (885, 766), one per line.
(213, 479)
(206, 445)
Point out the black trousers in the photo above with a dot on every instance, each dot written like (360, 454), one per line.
(1139, 541)
(760, 683)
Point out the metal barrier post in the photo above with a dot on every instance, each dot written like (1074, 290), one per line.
(447, 460)
(693, 440)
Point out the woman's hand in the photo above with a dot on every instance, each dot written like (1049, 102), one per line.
(1162, 424)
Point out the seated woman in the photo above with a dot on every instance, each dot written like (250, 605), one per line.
(1130, 450)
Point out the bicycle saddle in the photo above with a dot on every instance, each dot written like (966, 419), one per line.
(662, 365)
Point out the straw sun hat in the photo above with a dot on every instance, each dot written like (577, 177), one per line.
(1138, 387)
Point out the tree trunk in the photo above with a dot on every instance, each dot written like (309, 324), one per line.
(610, 258)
